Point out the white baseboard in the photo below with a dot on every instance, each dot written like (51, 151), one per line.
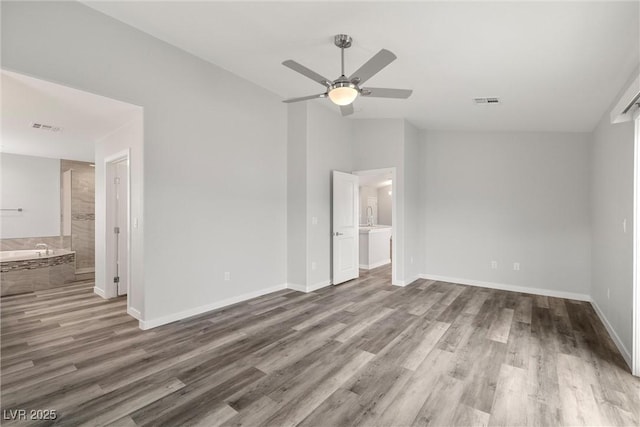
(406, 282)
(318, 285)
(148, 324)
(134, 313)
(505, 287)
(297, 287)
(99, 292)
(310, 288)
(375, 264)
(626, 354)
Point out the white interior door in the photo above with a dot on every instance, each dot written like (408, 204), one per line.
(345, 227)
(121, 230)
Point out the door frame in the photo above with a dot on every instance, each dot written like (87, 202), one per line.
(395, 219)
(635, 351)
(111, 288)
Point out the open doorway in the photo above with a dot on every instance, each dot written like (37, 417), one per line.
(378, 220)
(62, 149)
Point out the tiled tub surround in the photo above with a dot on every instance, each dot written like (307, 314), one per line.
(29, 270)
(26, 243)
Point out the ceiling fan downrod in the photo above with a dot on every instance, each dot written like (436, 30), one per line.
(343, 41)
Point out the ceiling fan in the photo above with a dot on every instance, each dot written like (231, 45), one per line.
(344, 90)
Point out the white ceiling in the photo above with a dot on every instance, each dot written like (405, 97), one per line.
(84, 117)
(377, 181)
(556, 65)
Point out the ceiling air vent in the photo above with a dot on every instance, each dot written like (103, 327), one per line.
(43, 126)
(486, 101)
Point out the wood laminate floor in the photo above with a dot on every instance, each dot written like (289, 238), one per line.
(363, 353)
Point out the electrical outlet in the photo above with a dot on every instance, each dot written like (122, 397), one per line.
(411, 260)
(624, 225)
(494, 265)
(314, 265)
(608, 293)
(314, 220)
(516, 266)
(227, 276)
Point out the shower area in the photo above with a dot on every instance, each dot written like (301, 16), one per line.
(78, 213)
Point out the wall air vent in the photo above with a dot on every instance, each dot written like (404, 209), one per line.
(486, 101)
(43, 126)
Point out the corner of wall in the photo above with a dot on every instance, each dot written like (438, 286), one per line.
(624, 351)
(100, 292)
(611, 195)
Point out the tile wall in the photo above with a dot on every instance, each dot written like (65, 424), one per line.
(82, 212)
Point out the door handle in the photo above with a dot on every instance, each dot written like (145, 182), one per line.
(337, 233)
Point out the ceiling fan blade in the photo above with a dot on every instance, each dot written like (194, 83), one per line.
(304, 98)
(372, 66)
(307, 72)
(346, 109)
(383, 92)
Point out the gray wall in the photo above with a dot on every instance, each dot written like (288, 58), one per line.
(413, 252)
(379, 144)
(215, 150)
(509, 197)
(319, 141)
(297, 193)
(329, 148)
(33, 184)
(611, 182)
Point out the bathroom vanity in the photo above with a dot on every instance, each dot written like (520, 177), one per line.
(375, 246)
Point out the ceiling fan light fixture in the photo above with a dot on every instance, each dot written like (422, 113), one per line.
(344, 90)
(343, 93)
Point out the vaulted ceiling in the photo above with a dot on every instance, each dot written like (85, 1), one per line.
(556, 66)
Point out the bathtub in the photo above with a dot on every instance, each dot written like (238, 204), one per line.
(32, 270)
(31, 254)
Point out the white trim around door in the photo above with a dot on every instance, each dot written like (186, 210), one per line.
(635, 352)
(111, 288)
